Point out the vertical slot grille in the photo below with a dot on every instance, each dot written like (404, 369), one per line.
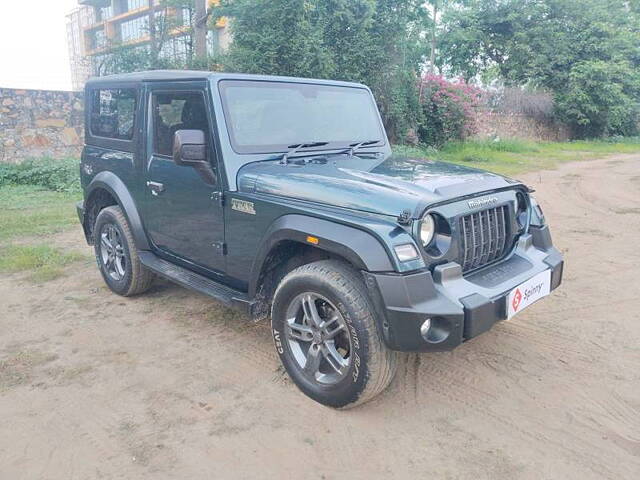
(484, 237)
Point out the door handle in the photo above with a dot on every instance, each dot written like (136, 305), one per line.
(156, 188)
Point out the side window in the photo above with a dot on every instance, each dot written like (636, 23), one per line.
(173, 112)
(113, 113)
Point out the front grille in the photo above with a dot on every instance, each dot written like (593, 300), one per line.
(484, 237)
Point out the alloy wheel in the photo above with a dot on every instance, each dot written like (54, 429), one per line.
(318, 337)
(112, 252)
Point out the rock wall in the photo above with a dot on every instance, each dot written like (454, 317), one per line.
(40, 123)
(505, 125)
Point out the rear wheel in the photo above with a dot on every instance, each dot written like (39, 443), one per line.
(117, 256)
(325, 333)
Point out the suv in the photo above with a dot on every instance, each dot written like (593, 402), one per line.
(281, 196)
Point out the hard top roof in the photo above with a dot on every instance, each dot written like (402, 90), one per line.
(184, 75)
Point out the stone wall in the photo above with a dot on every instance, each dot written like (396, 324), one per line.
(40, 123)
(506, 125)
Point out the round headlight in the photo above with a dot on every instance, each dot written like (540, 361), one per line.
(427, 229)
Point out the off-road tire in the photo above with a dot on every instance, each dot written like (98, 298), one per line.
(137, 278)
(372, 364)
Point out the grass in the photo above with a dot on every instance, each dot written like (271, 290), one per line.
(513, 156)
(27, 210)
(31, 211)
(42, 261)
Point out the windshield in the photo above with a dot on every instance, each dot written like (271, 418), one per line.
(269, 117)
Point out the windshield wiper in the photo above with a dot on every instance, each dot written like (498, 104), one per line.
(294, 148)
(355, 146)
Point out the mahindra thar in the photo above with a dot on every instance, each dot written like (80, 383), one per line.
(282, 196)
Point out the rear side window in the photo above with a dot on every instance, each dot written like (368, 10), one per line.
(113, 113)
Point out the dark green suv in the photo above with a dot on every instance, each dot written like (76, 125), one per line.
(281, 196)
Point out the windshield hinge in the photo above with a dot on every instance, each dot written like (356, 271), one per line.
(218, 197)
(405, 217)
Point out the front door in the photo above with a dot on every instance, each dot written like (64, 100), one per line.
(183, 217)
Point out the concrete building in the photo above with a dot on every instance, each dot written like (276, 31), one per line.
(96, 27)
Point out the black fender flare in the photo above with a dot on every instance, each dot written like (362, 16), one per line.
(358, 247)
(110, 182)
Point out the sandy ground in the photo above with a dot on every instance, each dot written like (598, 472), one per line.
(170, 385)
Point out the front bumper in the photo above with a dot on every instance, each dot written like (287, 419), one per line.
(460, 307)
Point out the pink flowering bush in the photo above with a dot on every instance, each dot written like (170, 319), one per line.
(449, 110)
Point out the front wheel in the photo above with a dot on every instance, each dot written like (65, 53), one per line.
(325, 332)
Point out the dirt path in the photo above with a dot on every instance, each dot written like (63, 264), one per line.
(170, 385)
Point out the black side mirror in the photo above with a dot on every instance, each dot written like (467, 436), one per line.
(189, 147)
(190, 150)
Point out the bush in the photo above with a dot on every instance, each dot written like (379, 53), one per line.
(449, 110)
(56, 175)
(601, 99)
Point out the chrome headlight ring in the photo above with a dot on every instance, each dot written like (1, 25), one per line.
(427, 229)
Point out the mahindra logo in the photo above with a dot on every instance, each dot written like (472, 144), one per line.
(482, 202)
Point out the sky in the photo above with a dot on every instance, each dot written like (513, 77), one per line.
(33, 44)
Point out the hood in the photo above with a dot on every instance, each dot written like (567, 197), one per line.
(367, 183)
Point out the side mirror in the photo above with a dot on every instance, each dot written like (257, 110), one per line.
(189, 147)
(190, 150)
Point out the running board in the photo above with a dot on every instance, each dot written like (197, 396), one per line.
(195, 281)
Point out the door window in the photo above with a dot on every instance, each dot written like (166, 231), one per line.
(176, 111)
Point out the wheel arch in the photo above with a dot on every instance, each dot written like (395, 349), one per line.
(108, 189)
(354, 246)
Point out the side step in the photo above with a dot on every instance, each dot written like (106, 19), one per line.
(195, 281)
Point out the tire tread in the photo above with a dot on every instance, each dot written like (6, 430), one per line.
(141, 277)
(382, 362)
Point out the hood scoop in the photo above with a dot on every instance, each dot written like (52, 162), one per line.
(387, 186)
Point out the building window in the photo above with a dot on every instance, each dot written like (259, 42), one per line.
(113, 113)
(98, 39)
(133, 29)
(104, 13)
(136, 4)
(185, 14)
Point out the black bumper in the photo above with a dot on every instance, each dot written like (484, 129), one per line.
(460, 308)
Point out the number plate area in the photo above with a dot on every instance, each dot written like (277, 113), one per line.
(528, 292)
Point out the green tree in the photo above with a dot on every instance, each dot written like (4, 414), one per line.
(600, 98)
(167, 17)
(377, 42)
(576, 49)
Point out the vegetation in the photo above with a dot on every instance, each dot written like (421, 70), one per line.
(32, 211)
(584, 52)
(582, 55)
(57, 175)
(42, 261)
(449, 110)
(513, 157)
(377, 42)
(27, 210)
(171, 15)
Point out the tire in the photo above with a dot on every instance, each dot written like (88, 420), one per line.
(119, 264)
(364, 367)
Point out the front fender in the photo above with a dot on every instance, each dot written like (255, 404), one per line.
(360, 248)
(115, 186)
